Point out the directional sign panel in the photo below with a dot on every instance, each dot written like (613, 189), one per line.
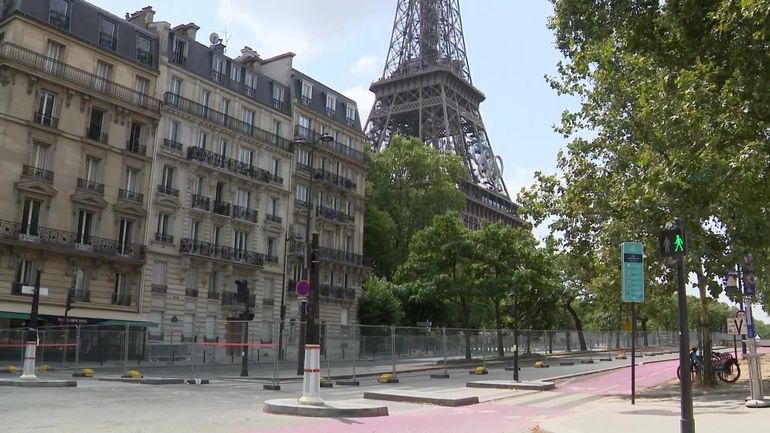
(736, 326)
(632, 273)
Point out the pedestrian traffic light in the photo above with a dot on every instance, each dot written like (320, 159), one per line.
(672, 242)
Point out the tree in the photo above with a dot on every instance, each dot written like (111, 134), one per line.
(379, 306)
(674, 96)
(407, 185)
(437, 267)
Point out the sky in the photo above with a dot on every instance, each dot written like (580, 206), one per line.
(343, 44)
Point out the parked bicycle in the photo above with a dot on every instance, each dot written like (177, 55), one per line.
(725, 366)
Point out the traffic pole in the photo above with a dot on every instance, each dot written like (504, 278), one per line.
(28, 372)
(687, 421)
(633, 353)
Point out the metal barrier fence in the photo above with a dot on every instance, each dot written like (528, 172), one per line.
(216, 349)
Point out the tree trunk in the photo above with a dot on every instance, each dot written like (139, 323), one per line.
(708, 378)
(578, 325)
(643, 321)
(499, 326)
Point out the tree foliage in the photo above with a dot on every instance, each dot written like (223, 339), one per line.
(379, 304)
(408, 184)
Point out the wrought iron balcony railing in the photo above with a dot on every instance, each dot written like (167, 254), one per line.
(171, 144)
(38, 62)
(278, 104)
(296, 248)
(333, 215)
(222, 208)
(325, 289)
(167, 190)
(200, 202)
(191, 293)
(244, 213)
(340, 256)
(46, 120)
(306, 100)
(160, 289)
(68, 242)
(136, 147)
(222, 119)
(121, 299)
(130, 195)
(219, 252)
(28, 170)
(300, 204)
(333, 178)
(330, 112)
(97, 134)
(218, 76)
(273, 260)
(164, 237)
(231, 165)
(273, 218)
(302, 133)
(178, 58)
(89, 185)
(212, 294)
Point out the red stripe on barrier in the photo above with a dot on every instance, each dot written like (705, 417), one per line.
(236, 344)
(312, 370)
(312, 346)
(39, 345)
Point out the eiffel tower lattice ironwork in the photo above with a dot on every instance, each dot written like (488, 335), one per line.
(426, 91)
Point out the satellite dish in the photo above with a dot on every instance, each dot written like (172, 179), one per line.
(214, 38)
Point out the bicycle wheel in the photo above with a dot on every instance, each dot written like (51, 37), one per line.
(730, 372)
(693, 373)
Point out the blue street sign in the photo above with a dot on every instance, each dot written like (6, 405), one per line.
(632, 272)
(750, 284)
(750, 333)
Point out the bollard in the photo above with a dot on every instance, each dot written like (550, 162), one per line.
(274, 386)
(311, 381)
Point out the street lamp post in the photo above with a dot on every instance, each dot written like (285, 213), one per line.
(313, 309)
(290, 237)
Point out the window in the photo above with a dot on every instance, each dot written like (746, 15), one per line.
(276, 131)
(176, 86)
(85, 227)
(26, 272)
(331, 105)
(350, 208)
(125, 230)
(54, 52)
(251, 84)
(40, 155)
(60, 14)
(276, 167)
(269, 288)
(155, 333)
(243, 198)
(235, 73)
(348, 246)
(350, 143)
(350, 113)
(173, 131)
(278, 93)
(218, 69)
(30, 218)
(196, 230)
(328, 238)
(205, 98)
(45, 109)
(216, 235)
(219, 194)
(344, 316)
(107, 36)
(301, 192)
(103, 75)
(80, 279)
(135, 138)
(92, 171)
(167, 180)
(187, 327)
(274, 205)
(299, 231)
(334, 202)
(248, 117)
(271, 247)
(203, 139)
(324, 129)
(144, 50)
(303, 157)
(304, 122)
(213, 283)
(211, 327)
(223, 147)
(159, 274)
(225, 106)
(179, 56)
(132, 180)
(162, 234)
(246, 156)
(307, 92)
(121, 289)
(200, 185)
(240, 240)
(297, 272)
(192, 278)
(97, 125)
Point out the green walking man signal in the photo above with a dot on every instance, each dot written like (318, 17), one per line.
(672, 243)
(678, 244)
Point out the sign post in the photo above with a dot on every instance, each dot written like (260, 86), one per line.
(757, 398)
(632, 283)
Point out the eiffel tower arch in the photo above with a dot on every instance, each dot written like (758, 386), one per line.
(426, 91)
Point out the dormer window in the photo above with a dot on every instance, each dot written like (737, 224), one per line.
(278, 97)
(350, 114)
(144, 50)
(218, 69)
(235, 73)
(331, 105)
(59, 15)
(251, 84)
(179, 56)
(107, 34)
(307, 92)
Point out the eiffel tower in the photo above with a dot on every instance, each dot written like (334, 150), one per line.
(426, 91)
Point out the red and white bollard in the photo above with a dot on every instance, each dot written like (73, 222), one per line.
(28, 373)
(311, 380)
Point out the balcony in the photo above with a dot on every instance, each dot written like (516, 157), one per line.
(231, 299)
(244, 213)
(44, 238)
(278, 104)
(179, 58)
(121, 299)
(219, 252)
(330, 112)
(96, 134)
(300, 132)
(91, 186)
(306, 100)
(296, 248)
(171, 144)
(222, 208)
(251, 92)
(212, 294)
(333, 179)
(48, 66)
(159, 289)
(191, 293)
(350, 294)
(134, 196)
(231, 165)
(200, 202)
(136, 147)
(303, 166)
(333, 215)
(273, 219)
(343, 257)
(46, 120)
(221, 119)
(167, 190)
(164, 237)
(39, 173)
(338, 292)
(271, 259)
(301, 204)
(218, 76)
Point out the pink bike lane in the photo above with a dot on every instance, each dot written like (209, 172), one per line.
(619, 381)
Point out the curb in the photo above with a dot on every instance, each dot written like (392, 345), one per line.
(449, 402)
(40, 383)
(149, 381)
(337, 409)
